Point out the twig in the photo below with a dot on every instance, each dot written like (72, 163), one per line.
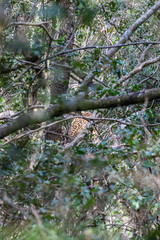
(66, 119)
(41, 24)
(36, 130)
(100, 47)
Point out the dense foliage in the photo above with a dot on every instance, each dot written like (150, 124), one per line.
(78, 160)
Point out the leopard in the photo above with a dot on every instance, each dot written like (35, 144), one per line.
(78, 125)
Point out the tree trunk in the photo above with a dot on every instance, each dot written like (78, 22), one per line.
(1, 26)
(61, 77)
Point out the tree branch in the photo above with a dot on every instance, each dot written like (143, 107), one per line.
(134, 27)
(74, 105)
(123, 40)
(41, 24)
(100, 47)
(137, 69)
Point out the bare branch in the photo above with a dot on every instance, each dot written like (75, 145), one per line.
(25, 24)
(141, 59)
(66, 119)
(100, 47)
(134, 27)
(123, 40)
(75, 105)
(136, 70)
(41, 24)
(27, 133)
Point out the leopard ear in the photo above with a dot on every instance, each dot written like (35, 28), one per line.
(86, 114)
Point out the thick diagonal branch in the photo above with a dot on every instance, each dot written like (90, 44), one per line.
(122, 40)
(74, 105)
